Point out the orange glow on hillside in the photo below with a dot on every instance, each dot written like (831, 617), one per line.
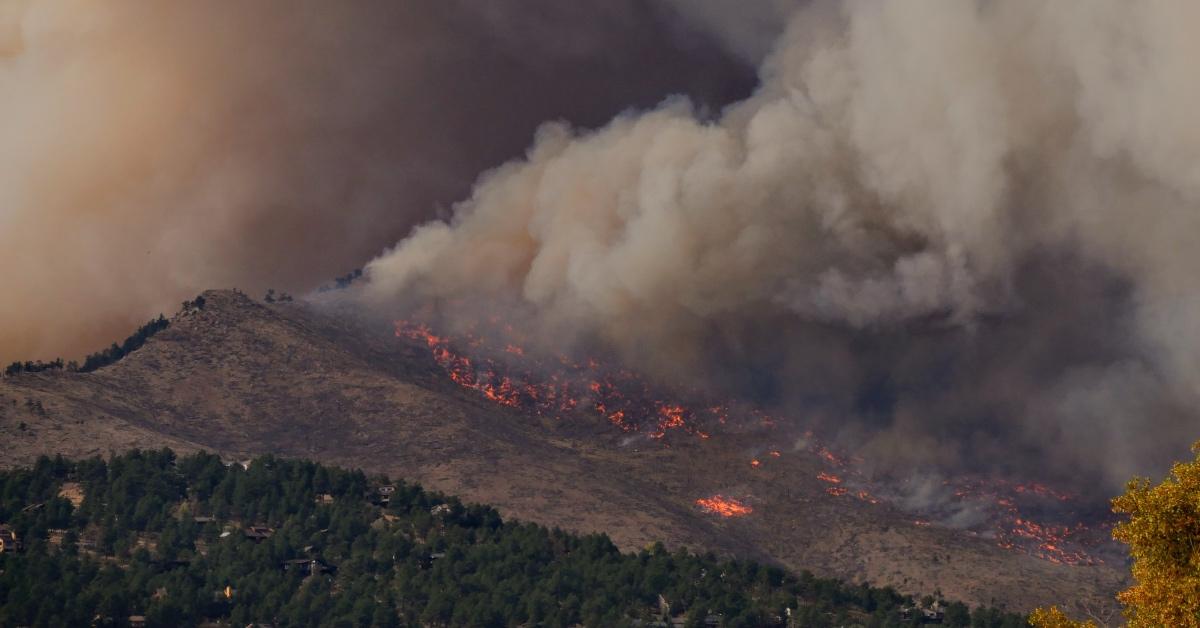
(724, 506)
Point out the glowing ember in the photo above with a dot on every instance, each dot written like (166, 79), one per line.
(830, 457)
(837, 491)
(724, 506)
(828, 477)
(755, 463)
(775, 454)
(866, 497)
(672, 418)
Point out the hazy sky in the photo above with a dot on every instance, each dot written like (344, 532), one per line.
(153, 150)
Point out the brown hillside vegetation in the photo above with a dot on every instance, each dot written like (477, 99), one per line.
(241, 378)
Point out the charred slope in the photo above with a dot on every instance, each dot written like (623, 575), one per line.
(241, 378)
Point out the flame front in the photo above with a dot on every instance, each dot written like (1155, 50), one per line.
(618, 395)
(507, 374)
(724, 506)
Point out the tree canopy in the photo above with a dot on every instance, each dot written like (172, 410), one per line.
(183, 541)
(1162, 530)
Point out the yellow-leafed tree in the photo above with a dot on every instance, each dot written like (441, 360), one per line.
(1054, 618)
(1163, 534)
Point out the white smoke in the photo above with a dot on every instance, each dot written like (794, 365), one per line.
(959, 163)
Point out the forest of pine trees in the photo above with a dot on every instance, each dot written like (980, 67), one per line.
(192, 540)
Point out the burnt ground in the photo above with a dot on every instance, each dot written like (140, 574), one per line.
(243, 378)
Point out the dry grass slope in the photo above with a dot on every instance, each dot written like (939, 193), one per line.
(241, 377)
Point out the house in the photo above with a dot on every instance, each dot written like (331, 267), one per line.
(935, 613)
(308, 566)
(324, 499)
(8, 540)
(72, 492)
(440, 509)
(203, 519)
(258, 533)
(664, 607)
(427, 562)
(137, 621)
(383, 495)
(55, 536)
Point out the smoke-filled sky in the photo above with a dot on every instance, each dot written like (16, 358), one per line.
(151, 150)
(958, 233)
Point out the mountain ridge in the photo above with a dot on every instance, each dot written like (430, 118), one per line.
(320, 380)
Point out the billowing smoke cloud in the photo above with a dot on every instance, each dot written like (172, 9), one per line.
(154, 149)
(959, 233)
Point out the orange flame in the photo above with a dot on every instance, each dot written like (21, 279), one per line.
(724, 506)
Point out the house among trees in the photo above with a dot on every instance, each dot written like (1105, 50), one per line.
(383, 495)
(8, 540)
(72, 492)
(931, 613)
(258, 533)
(308, 566)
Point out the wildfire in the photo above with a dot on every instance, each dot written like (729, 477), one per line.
(866, 497)
(506, 374)
(672, 418)
(724, 506)
(830, 457)
(1063, 544)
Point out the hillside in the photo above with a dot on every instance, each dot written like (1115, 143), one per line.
(195, 540)
(243, 378)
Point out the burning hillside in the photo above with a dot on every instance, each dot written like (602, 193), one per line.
(1025, 517)
(724, 506)
(314, 381)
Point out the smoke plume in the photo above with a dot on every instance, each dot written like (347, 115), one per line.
(957, 233)
(155, 149)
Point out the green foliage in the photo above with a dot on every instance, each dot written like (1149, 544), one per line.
(165, 537)
(194, 305)
(343, 282)
(34, 367)
(131, 344)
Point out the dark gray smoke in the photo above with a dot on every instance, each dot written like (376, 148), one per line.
(155, 149)
(959, 234)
